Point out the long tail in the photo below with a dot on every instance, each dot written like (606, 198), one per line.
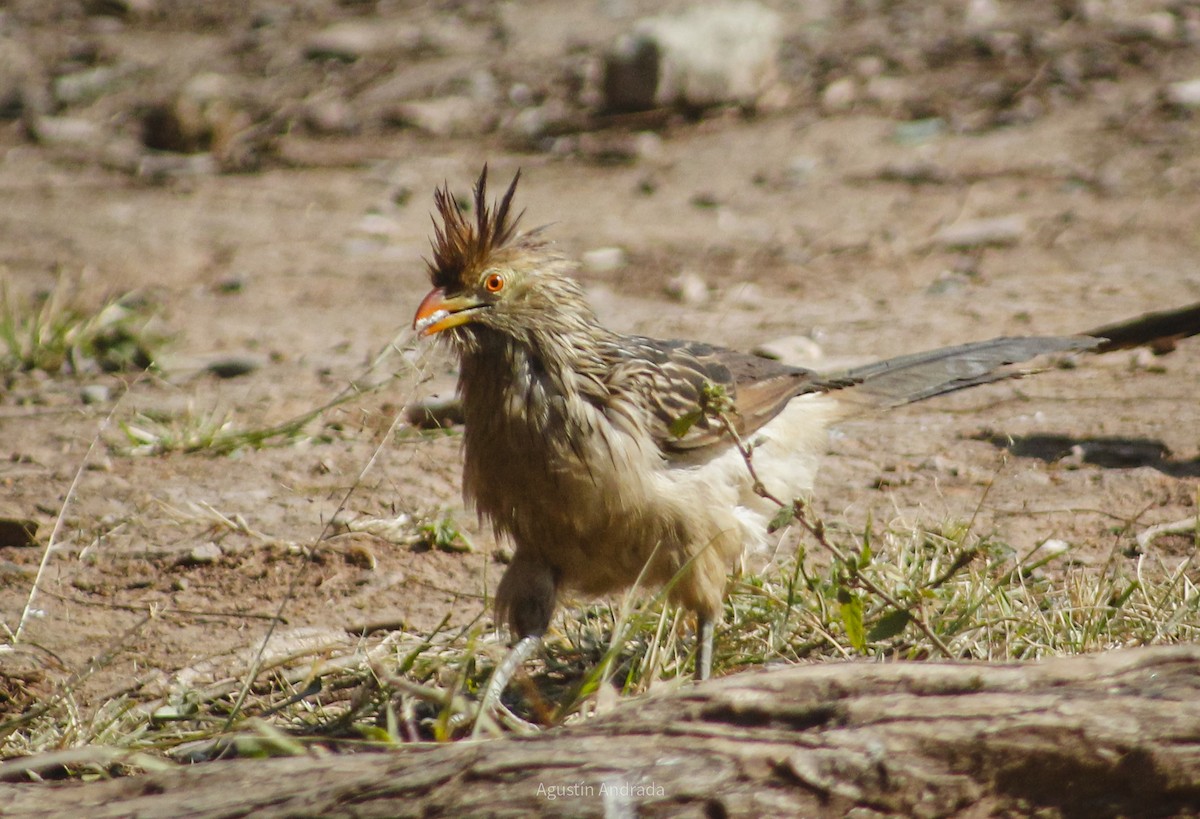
(1158, 331)
(916, 377)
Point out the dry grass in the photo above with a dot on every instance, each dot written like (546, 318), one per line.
(55, 332)
(981, 599)
(880, 593)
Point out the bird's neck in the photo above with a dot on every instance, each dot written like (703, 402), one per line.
(556, 361)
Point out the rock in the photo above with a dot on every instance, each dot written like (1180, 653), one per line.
(947, 283)
(604, 259)
(721, 54)
(444, 117)
(483, 86)
(95, 394)
(688, 288)
(800, 170)
(351, 41)
(435, 411)
(1184, 94)
(234, 366)
(1001, 230)
(174, 165)
(122, 8)
(869, 66)
(918, 131)
(1160, 26)
(530, 125)
(648, 145)
(377, 224)
(890, 92)
(608, 147)
(521, 95)
(84, 86)
(980, 15)
(915, 172)
(205, 554)
(527, 125)
(66, 132)
(330, 116)
(631, 71)
(20, 81)
(1054, 546)
(839, 95)
(799, 351)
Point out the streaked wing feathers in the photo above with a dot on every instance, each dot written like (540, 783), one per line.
(678, 382)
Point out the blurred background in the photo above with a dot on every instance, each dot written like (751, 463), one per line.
(239, 192)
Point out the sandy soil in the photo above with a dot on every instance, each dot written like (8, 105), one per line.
(297, 242)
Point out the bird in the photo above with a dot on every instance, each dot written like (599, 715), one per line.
(610, 459)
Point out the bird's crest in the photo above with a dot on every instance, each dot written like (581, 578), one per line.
(462, 247)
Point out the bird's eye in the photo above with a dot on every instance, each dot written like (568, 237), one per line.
(494, 283)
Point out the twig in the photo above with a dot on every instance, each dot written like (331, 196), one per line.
(297, 575)
(90, 667)
(1186, 526)
(163, 612)
(294, 582)
(799, 513)
(62, 510)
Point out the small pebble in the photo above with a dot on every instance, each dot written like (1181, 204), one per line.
(66, 131)
(1185, 94)
(349, 41)
(688, 288)
(1054, 546)
(980, 15)
(800, 170)
(234, 366)
(839, 95)
(445, 116)
(204, 554)
(330, 116)
(83, 86)
(95, 394)
(917, 131)
(604, 259)
(435, 411)
(1002, 230)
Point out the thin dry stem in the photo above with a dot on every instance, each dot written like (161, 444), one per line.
(816, 528)
(52, 542)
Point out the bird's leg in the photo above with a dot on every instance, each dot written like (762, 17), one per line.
(525, 599)
(704, 646)
(525, 648)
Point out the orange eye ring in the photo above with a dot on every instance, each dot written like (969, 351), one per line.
(494, 283)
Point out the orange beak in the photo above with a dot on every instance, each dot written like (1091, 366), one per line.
(438, 313)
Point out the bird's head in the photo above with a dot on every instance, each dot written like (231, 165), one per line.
(486, 277)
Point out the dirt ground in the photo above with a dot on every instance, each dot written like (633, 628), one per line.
(270, 202)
